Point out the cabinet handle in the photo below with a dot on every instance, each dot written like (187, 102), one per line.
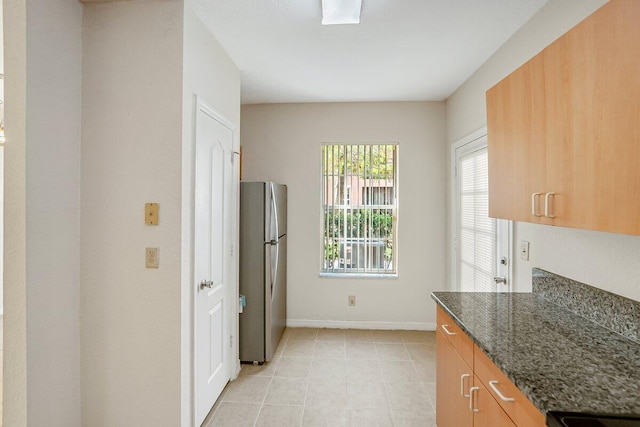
(462, 378)
(471, 390)
(448, 332)
(492, 384)
(534, 204)
(546, 205)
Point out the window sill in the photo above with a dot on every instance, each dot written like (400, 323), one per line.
(358, 276)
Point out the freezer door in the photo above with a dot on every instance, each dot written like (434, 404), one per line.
(275, 220)
(280, 206)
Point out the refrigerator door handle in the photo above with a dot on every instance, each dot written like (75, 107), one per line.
(274, 238)
(275, 212)
(275, 271)
(274, 267)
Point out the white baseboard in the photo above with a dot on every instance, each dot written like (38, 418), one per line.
(359, 324)
(236, 370)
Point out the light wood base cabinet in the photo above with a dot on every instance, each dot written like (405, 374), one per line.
(466, 385)
(453, 378)
(567, 124)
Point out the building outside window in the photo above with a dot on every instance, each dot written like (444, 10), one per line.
(359, 209)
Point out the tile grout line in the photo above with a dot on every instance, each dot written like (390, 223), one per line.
(386, 393)
(264, 399)
(306, 393)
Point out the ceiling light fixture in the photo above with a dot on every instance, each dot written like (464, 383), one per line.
(341, 12)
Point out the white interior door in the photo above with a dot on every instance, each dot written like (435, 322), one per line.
(213, 266)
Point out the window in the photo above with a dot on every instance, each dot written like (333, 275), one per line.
(359, 209)
(481, 242)
(378, 195)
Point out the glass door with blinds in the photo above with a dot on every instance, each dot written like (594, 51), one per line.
(481, 244)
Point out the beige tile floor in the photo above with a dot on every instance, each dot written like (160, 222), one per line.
(334, 378)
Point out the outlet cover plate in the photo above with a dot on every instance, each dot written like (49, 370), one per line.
(151, 255)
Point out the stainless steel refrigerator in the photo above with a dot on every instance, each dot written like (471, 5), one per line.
(263, 268)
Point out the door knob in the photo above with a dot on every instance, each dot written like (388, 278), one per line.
(499, 280)
(206, 284)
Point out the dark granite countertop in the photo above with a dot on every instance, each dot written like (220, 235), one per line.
(559, 360)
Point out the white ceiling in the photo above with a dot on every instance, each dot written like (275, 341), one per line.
(402, 50)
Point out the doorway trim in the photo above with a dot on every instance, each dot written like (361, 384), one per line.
(507, 228)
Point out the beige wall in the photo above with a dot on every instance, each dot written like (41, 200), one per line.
(131, 154)
(1, 156)
(605, 260)
(119, 86)
(281, 142)
(41, 323)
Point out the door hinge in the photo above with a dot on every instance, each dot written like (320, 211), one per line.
(231, 341)
(231, 250)
(233, 156)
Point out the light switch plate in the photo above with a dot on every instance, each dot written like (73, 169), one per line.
(152, 260)
(524, 250)
(151, 213)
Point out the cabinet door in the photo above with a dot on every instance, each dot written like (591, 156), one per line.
(567, 123)
(516, 143)
(593, 127)
(452, 409)
(489, 413)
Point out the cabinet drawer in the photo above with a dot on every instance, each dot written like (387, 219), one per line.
(489, 413)
(456, 336)
(520, 409)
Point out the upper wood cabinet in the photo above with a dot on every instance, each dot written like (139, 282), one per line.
(516, 132)
(567, 124)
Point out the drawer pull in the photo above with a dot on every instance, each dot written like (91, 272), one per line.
(448, 332)
(471, 390)
(462, 378)
(492, 384)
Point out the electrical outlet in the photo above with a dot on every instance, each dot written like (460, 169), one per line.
(352, 300)
(524, 250)
(152, 260)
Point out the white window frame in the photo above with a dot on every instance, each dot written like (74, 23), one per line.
(360, 275)
(504, 228)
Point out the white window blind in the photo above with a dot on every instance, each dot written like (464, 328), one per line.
(359, 207)
(476, 232)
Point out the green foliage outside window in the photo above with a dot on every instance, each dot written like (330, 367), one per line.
(360, 224)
